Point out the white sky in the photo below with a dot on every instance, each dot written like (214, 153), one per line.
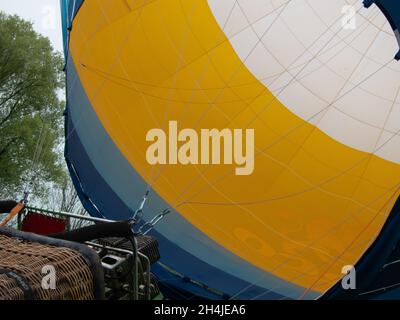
(44, 14)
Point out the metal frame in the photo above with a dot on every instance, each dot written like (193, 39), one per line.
(135, 253)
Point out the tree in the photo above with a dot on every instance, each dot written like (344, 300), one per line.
(65, 198)
(31, 79)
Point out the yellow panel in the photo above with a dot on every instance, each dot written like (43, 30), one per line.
(312, 205)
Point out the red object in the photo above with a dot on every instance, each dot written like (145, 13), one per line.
(42, 224)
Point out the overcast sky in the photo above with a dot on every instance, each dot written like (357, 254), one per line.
(44, 14)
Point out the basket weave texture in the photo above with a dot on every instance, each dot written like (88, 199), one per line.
(74, 279)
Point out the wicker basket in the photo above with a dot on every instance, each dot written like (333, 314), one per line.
(23, 256)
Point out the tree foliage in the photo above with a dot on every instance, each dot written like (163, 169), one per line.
(31, 80)
(65, 198)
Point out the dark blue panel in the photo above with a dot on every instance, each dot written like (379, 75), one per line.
(379, 267)
(391, 9)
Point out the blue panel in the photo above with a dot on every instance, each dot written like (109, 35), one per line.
(73, 7)
(93, 188)
(69, 9)
(65, 24)
(203, 272)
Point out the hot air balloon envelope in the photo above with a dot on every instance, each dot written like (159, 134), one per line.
(322, 98)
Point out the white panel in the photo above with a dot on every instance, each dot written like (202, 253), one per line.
(393, 122)
(342, 81)
(349, 131)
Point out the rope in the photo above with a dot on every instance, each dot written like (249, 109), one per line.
(32, 175)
